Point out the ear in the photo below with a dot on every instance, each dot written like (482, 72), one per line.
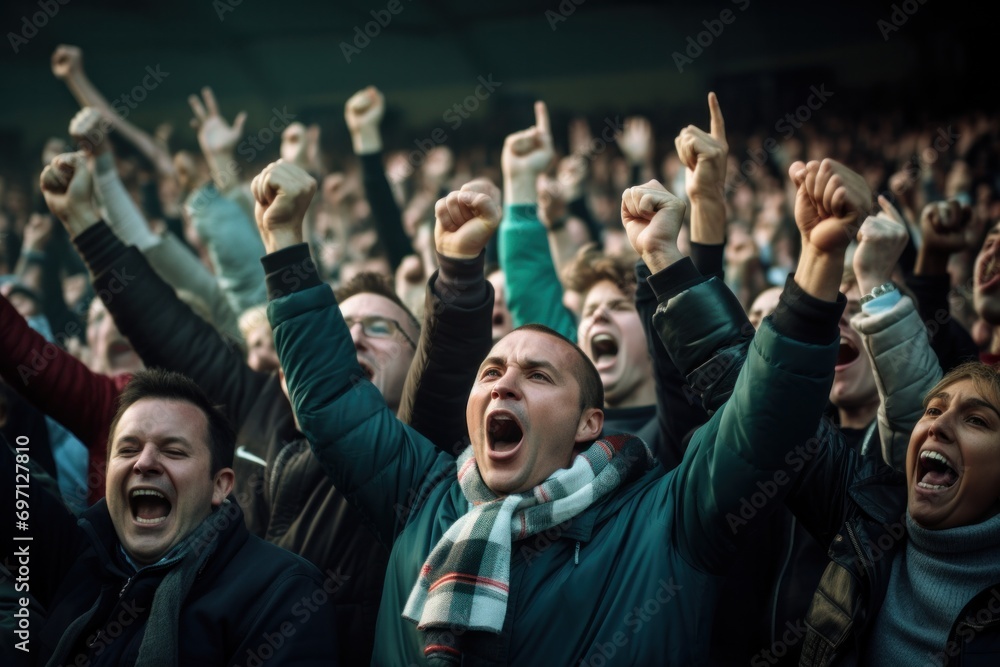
(590, 425)
(222, 485)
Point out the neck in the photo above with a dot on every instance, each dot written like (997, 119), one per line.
(859, 416)
(643, 394)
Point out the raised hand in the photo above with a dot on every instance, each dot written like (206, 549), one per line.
(881, 241)
(551, 203)
(571, 174)
(525, 155)
(89, 131)
(944, 227)
(636, 140)
(282, 193)
(68, 189)
(215, 135)
(704, 154)
(295, 145)
(828, 202)
(67, 61)
(652, 218)
(363, 113)
(465, 220)
(37, 232)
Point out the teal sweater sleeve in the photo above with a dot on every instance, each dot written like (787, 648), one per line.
(234, 247)
(534, 293)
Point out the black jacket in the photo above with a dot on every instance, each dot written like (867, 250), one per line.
(247, 599)
(287, 498)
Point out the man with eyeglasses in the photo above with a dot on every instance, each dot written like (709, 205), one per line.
(286, 496)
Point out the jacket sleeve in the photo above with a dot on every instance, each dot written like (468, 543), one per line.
(950, 341)
(233, 246)
(182, 270)
(905, 369)
(748, 445)
(456, 337)
(678, 410)
(378, 462)
(57, 383)
(164, 331)
(385, 211)
(534, 293)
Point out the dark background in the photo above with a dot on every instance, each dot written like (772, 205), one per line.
(606, 58)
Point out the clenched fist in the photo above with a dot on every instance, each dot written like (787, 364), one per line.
(652, 218)
(67, 61)
(89, 130)
(68, 190)
(828, 204)
(282, 193)
(465, 220)
(363, 113)
(881, 241)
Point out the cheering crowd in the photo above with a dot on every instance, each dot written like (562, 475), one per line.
(639, 404)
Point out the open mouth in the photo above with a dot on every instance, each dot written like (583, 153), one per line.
(935, 471)
(119, 348)
(149, 506)
(847, 354)
(603, 350)
(989, 274)
(503, 434)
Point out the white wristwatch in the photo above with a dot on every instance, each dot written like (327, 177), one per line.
(878, 291)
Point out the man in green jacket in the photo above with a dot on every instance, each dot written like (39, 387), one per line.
(542, 543)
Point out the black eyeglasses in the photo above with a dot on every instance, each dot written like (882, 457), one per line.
(379, 327)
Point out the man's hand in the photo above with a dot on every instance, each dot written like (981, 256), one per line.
(68, 190)
(465, 220)
(551, 204)
(880, 243)
(282, 193)
(215, 136)
(295, 145)
(636, 140)
(652, 218)
(945, 230)
(88, 130)
(571, 174)
(67, 61)
(704, 154)
(363, 114)
(829, 200)
(525, 155)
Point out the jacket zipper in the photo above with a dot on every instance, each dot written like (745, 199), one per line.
(857, 548)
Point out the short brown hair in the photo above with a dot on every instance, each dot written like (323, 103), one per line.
(985, 378)
(158, 383)
(591, 266)
(367, 282)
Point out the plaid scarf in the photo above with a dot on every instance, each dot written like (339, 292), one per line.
(464, 583)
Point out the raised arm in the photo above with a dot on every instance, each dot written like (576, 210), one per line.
(748, 442)
(67, 65)
(894, 337)
(534, 293)
(374, 459)
(363, 114)
(456, 335)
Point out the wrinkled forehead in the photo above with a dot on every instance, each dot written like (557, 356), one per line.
(530, 347)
